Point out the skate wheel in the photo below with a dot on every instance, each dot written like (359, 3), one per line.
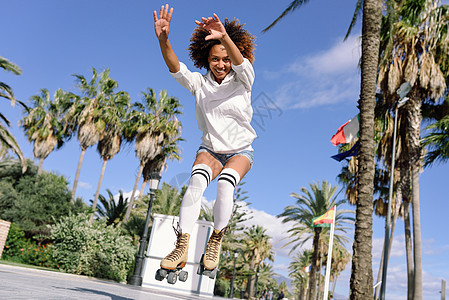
(172, 278)
(213, 273)
(183, 276)
(206, 272)
(160, 274)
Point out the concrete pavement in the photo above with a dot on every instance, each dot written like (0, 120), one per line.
(19, 283)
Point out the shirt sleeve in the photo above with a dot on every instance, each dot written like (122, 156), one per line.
(245, 73)
(190, 80)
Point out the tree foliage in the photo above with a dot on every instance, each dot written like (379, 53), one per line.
(33, 201)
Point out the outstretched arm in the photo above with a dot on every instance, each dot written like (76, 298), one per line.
(218, 31)
(162, 28)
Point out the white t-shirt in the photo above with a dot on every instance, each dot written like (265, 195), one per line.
(223, 111)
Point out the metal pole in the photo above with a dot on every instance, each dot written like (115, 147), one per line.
(329, 258)
(231, 293)
(136, 278)
(443, 289)
(388, 218)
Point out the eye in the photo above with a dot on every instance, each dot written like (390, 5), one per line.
(226, 60)
(214, 59)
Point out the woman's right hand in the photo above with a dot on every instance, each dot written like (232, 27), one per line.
(162, 24)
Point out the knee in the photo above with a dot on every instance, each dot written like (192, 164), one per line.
(228, 176)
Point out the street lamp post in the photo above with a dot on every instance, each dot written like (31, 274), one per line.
(136, 278)
(402, 92)
(231, 293)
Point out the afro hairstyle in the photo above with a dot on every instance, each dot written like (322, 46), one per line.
(199, 48)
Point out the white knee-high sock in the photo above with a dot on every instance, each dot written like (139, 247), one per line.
(191, 203)
(227, 181)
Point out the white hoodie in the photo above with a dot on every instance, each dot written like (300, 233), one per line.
(223, 111)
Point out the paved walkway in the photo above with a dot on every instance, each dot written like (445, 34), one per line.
(23, 283)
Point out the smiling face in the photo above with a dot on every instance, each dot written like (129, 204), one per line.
(219, 62)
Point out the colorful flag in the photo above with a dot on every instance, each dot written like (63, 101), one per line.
(351, 152)
(347, 132)
(325, 220)
(306, 269)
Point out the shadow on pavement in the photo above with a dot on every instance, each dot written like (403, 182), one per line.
(84, 290)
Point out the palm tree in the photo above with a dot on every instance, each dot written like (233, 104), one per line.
(7, 139)
(85, 114)
(417, 49)
(152, 124)
(207, 212)
(437, 142)
(43, 124)
(362, 284)
(169, 150)
(113, 113)
(110, 209)
(256, 248)
(298, 274)
(310, 205)
(168, 200)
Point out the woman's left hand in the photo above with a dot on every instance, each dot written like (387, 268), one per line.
(214, 26)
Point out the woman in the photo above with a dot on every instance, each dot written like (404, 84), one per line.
(224, 112)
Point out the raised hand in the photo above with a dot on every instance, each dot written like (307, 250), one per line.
(162, 24)
(214, 26)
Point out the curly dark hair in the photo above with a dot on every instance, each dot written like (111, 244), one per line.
(199, 48)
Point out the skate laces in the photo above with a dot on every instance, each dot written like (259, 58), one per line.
(180, 245)
(213, 246)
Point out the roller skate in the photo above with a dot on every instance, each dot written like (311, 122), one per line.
(210, 259)
(172, 264)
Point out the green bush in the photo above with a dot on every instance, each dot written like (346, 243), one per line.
(94, 250)
(22, 250)
(33, 201)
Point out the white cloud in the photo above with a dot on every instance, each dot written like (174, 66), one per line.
(279, 237)
(397, 248)
(84, 185)
(341, 58)
(328, 77)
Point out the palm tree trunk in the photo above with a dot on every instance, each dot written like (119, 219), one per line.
(313, 267)
(131, 199)
(393, 228)
(417, 251)
(97, 193)
(249, 286)
(142, 188)
(78, 171)
(405, 190)
(408, 250)
(361, 284)
(319, 275)
(414, 132)
(41, 163)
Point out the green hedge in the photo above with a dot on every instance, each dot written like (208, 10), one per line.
(22, 250)
(95, 250)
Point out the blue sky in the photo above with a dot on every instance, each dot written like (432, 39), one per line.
(307, 85)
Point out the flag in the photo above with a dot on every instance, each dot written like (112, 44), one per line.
(306, 269)
(347, 132)
(351, 152)
(324, 220)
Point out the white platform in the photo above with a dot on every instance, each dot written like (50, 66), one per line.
(162, 242)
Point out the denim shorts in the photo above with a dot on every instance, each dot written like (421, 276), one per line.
(224, 158)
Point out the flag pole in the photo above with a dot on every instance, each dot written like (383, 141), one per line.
(329, 257)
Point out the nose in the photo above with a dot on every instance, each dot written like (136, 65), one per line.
(220, 63)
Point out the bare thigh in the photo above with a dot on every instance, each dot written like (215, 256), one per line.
(213, 163)
(240, 163)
